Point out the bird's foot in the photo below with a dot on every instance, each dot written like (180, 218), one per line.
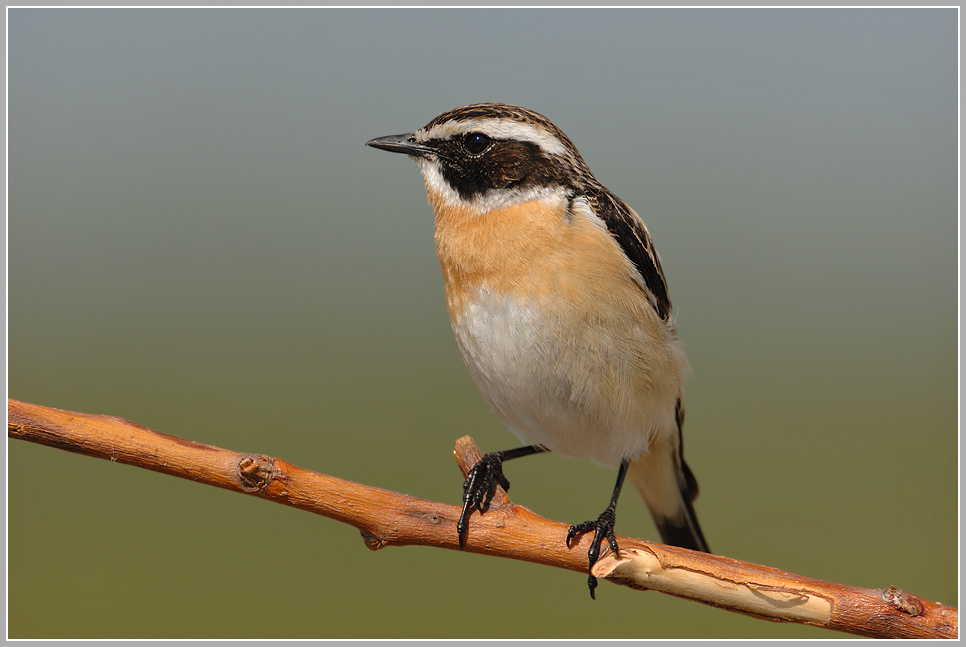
(479, 488)
(603, 527)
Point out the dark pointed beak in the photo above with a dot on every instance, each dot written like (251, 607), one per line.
(404, 143)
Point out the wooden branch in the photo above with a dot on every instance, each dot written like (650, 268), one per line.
(388, 518)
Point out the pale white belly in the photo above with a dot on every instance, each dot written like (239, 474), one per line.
(598, 386)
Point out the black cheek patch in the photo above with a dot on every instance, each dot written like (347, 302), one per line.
(506, 164)
(467, 181)
(511, 163)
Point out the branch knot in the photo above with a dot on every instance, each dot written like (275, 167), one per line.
(255, 471)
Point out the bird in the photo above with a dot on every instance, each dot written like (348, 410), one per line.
(561, 311)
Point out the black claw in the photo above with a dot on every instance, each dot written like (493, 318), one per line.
(603, 527)
(479, 488)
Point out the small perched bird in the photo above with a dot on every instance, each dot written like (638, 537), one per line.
(560, 309)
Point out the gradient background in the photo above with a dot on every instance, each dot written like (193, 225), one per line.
(199, 242)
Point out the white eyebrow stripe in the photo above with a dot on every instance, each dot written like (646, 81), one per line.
(497, 129)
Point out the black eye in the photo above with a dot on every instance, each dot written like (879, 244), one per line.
(476, 143)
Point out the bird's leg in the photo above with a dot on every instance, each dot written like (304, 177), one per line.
(480, 484)
(603, 527)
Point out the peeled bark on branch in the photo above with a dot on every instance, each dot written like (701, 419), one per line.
(387, 518)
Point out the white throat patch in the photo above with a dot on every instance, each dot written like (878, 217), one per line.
(487, 201)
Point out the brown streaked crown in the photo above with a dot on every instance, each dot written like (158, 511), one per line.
(506, 112)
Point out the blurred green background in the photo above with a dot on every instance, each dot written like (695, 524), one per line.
(200, 242)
